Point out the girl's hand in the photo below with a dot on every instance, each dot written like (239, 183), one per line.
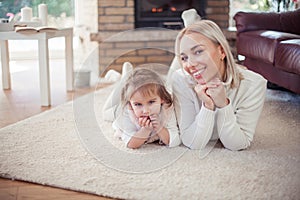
(216, 91)
(156, 122)
(153, 138)
(203, 96)
(146, 123)
(161, 132)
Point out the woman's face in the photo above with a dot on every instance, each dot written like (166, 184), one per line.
(144, 106)
(201, 58)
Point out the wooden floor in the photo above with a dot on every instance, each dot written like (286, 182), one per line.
(23, 101)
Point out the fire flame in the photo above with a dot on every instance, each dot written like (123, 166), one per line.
(157, 10)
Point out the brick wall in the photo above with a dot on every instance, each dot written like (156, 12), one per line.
(118, 15)
(115, 16)
(218, 11)
(138, 50)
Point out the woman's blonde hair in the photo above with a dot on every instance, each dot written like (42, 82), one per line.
(148, 83)
(212, 31)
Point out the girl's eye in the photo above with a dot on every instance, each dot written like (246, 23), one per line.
(152, 102)
(137, 104)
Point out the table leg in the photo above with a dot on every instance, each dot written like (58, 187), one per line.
(44, 72)
(6, 84)
(69, 62)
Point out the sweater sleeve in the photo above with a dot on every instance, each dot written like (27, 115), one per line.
(124, 124)
(195, 122)
(174, 139)
(236, 127)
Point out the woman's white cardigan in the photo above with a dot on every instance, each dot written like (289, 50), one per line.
(233, 124)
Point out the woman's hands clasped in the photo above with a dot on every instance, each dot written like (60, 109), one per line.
(212, 94)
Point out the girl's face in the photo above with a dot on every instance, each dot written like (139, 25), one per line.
(144, 106)
(201, 58)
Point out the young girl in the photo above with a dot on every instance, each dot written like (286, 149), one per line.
(147, 112)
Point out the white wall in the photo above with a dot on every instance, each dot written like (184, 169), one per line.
(86, 22)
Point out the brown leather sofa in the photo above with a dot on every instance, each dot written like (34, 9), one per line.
(270, 43)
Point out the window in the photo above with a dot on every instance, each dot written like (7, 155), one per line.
(60, 12)
(60, 15)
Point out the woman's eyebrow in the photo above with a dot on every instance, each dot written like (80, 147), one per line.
(193, 48)
(196, 46)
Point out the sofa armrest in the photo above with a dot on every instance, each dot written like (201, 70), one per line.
(290, 21)
(283, 22)
(251, 21)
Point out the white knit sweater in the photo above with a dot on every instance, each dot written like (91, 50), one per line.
(233, 124)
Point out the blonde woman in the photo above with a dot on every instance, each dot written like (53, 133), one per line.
(214, 97)
(146, 112)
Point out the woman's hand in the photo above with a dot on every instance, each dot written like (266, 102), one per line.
(203, 96)
(212, 94)
(216, 91)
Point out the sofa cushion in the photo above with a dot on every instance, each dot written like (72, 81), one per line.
(261, 44)
(287, 56)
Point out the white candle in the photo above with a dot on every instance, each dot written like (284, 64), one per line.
(26, 14)
(43, 14)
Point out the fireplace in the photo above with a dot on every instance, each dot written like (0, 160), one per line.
(165, 13)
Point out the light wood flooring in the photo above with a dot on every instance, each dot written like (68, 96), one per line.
(23, 101)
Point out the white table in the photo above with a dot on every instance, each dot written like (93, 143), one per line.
(43, 58)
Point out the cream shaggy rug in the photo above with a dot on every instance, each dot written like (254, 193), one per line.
(71, 147)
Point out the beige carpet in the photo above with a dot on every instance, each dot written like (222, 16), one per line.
(65, 147)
